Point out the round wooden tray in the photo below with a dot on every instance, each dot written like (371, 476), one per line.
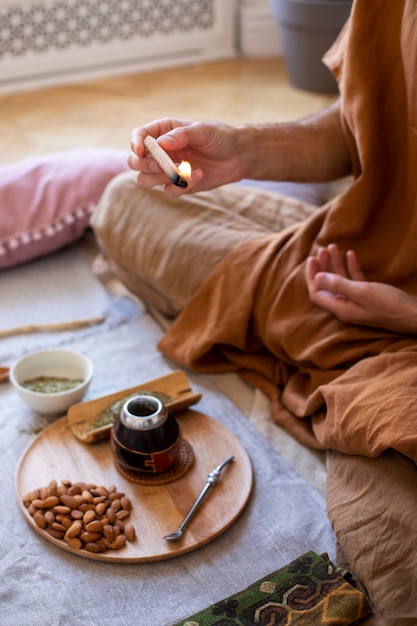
(157, 509)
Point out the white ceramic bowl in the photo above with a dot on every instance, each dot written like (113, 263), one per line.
(59, 363)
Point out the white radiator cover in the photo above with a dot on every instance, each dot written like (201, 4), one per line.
(44, 42)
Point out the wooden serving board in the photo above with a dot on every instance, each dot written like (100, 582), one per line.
(157, 509)
(173, 390)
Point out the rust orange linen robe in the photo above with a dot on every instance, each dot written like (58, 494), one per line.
(337, 386)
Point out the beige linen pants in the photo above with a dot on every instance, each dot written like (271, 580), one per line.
(162, 248)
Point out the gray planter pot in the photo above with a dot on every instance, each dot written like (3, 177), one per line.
(308, 29)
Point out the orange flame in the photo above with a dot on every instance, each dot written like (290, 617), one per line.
(184, 170)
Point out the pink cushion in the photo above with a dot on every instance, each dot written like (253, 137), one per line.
(46, 202)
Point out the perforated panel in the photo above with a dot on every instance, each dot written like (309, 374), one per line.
(44, 38)
(44, 26)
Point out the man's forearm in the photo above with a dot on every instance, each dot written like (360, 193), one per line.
(310, 150)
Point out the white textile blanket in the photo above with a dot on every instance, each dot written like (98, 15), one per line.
(42, 584)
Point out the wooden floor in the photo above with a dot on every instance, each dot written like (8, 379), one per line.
(104, 112)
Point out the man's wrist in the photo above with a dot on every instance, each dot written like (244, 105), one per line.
(262, 148)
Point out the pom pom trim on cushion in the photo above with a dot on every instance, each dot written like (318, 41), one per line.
(77, 219)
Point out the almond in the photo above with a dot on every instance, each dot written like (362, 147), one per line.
(74, 542)
(87, 496)
(88, 536)
(130, 532)
(99, 499)
(116, 504)
(87, 506)
(74, 530)
(52, 489)
(69, 501)
(59, 527)
(49, 516)
(109, 533)
(116, 495)
(106, 543)
(65, 520)
(93, 547)
(119, 542)
(101, 544)
(126, 503)
(89, 516)
(101, 508)
(46, 503)
(56, 533)
(32, 509)
(99, 491)
(94, 527)
(60, 509)
(40, 520)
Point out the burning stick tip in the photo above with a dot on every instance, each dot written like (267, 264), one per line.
(178, 181)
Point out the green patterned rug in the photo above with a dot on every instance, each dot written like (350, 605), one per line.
(310, 590)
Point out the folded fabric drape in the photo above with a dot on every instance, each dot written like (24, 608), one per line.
(310, 590)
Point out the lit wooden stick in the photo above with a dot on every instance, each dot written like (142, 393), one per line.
(165, 162)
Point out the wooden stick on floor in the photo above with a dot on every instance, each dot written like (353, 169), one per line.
(50, 328)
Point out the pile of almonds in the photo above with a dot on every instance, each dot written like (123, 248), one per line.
(85, 516)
